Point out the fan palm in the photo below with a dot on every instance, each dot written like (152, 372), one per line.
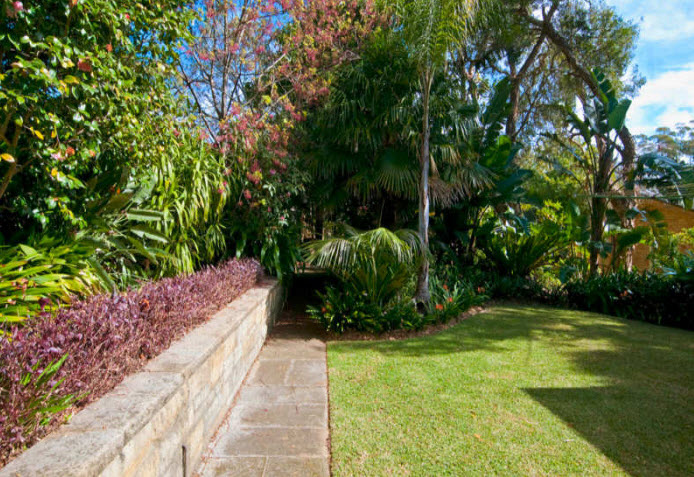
(377, 263)
(367, 136)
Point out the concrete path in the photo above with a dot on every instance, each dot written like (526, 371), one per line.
(279, 424)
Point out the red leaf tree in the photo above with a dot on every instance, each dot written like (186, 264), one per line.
(255, 65)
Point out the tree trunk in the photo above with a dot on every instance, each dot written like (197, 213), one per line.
(628, 151)
(598, 209)
(12, 150)
(597, 228)
(422, 295)
(514, 98)
(517, 76)
(628, 163)
(9, 174)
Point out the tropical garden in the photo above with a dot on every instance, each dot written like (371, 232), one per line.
(429, 156)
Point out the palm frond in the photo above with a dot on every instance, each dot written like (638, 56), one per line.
(376, 262)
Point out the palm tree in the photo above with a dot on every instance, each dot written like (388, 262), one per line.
(431, 29)
(377, 263)
(396, 124)
(361, 137)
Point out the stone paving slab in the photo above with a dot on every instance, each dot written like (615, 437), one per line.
(297, 467)
(277, 441)
(279, 423)
(291, 349)
(280, 414)
(264, 466)
(283, 394)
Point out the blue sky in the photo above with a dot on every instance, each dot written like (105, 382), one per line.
(665, 56)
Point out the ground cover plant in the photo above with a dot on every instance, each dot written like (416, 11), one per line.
(56, 365)
(518, 390)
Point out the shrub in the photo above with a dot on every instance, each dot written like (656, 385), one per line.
(377, 264)
(518, 288)
(117, 249)
(348, 309)
(682, 267)
(85, 86)
(105, 337)
(264, 217)
(495, 285)
(658, 299)
(344, 309)
(190, 189)
(518, 254)
(450, 301)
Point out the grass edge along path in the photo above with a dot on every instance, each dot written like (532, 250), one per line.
(518, 390)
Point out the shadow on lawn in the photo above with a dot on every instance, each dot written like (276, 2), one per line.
(646, 432)
(643, 419)
(492, 329)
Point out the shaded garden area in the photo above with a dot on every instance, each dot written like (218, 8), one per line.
(516, 390)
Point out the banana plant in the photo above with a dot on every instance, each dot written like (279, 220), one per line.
(593, 147)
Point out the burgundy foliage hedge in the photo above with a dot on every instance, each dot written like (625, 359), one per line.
(105, 338)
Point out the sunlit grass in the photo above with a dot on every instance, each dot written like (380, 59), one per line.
(517, 391)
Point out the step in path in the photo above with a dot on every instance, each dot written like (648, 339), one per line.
(279, 423)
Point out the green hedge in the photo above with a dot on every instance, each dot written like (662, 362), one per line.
(649, 297)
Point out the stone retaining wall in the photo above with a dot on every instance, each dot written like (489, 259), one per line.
(158, 422)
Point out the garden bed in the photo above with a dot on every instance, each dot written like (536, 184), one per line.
(405, 334)
(100, 341)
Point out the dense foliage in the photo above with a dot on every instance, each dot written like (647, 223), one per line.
(251, 70)
(348, 310)
(87, 118)
(376, 275)
(374, 269)
(85, 87)
(145, 139)
(59, 364)
(648, 297)
(455, 115)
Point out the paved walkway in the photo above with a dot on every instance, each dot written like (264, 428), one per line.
(279, 424)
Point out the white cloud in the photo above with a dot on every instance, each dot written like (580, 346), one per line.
(666, 26)
(668, 96)
(666, 20)
(666, 100)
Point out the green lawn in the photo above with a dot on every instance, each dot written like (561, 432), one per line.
(519, 390)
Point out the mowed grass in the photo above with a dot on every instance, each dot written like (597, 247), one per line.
(518, 390)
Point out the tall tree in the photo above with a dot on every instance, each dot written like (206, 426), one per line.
(509, 45)
(577, 55)
(268, 56)
(432, 29)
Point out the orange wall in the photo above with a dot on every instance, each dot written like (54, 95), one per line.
(676, 218)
